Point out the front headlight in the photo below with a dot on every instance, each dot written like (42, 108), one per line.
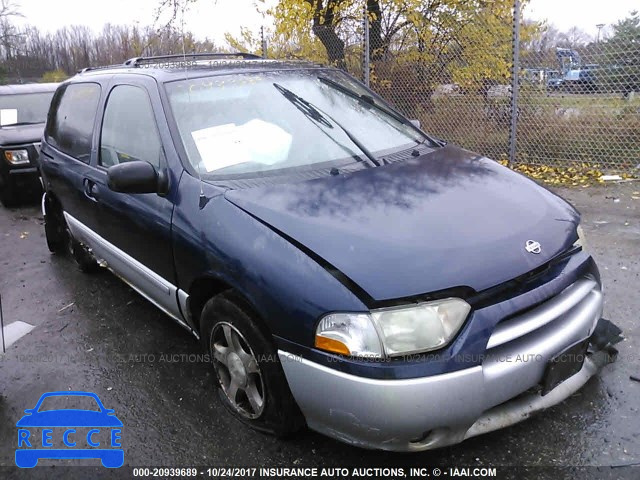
(420, 328)
(393, 331)
(17, 157)
(582, 240)
(349, 334)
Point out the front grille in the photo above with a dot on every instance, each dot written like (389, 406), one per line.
(583, 296)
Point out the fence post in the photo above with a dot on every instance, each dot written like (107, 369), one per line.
(365, 45)
(515, 84)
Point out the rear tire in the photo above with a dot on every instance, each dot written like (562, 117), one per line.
(55, 228)
(250, 380)
(60, 240)
(82, 255)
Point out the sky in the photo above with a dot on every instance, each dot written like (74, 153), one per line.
(212, 18)
(585, 14)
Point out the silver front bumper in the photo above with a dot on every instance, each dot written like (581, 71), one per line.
(424, 413)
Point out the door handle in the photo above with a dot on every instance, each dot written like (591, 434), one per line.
(90, 190)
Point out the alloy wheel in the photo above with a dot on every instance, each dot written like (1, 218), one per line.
(237, 370)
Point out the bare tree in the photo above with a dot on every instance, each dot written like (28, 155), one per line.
(10, 38)
(573, 38)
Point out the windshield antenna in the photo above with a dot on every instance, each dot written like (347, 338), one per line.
(203, 199)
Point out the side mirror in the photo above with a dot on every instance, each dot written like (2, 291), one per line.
(136, 177)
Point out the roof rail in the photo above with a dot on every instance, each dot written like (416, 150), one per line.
(136, 61)
(100, 67)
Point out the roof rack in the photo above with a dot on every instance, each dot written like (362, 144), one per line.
(136, 61)
(101, 67)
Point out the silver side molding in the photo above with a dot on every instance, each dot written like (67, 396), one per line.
(142, 279)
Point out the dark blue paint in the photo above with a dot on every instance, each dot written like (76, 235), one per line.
(449, 218)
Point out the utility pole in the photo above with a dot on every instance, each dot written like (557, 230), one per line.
(365, 46)
(263, 42)
(599, 26)
(515, 74)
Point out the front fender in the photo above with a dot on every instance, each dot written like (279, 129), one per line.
(287, 288)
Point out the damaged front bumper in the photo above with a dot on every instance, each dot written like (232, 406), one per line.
(430, 412)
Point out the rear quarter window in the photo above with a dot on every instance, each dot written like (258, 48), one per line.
(70, 125)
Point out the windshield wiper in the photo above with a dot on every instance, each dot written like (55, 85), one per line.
(369, 100)
(317, 115)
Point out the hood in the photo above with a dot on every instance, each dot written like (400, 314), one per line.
(447, 219)
(19, 134)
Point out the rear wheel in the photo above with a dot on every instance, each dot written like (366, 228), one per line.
(82, 255)
(250, 380)
(55, 228)
(60, 240)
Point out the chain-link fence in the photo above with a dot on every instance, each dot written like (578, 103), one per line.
(477, 73)
(513, 90)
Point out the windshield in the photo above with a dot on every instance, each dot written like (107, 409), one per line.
(264, 122)
(24, 108)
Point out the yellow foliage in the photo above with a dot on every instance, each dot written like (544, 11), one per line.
(583, 174)
(465, 40)
(54, 76)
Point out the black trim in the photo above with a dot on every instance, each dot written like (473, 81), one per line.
(18, 171)
(518, 285)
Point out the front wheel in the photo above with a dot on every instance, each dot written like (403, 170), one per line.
(7, 194)
(250, 380)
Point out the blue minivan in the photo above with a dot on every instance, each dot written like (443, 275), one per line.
(343, 269)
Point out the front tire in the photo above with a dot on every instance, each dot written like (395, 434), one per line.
(250, 380)
(7, 194)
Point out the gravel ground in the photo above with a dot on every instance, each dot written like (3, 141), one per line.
(94, 333)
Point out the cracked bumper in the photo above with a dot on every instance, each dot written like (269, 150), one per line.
(430, 412)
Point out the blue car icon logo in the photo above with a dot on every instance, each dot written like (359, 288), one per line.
(69, 433)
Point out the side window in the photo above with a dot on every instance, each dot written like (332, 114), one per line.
(129, 130)
(70, 127)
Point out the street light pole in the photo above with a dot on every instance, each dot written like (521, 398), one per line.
(599, 26)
